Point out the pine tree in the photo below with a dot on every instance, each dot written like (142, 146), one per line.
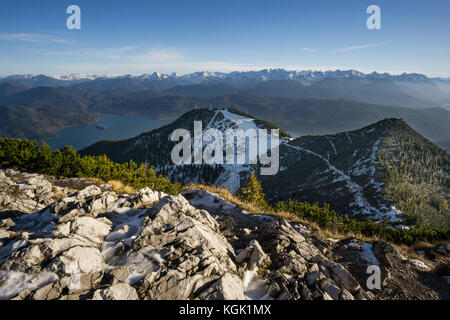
(252, 192)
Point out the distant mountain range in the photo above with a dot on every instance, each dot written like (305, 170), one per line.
(308, 76)
(408, 90)
(385, 171)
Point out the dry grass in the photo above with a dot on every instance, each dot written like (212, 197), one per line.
(228, 196)
(250, 207)
(422, 245)
(408, 251)
(429, 248)
(120, 188)
(327, 233)
(254, 209)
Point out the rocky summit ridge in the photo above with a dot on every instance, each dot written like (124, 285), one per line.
(75, 239)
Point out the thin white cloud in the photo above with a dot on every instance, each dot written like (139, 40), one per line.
(155, 55)
(309, 49)
(365, 46)
(127, 54)
(138, 60)
(111, 53)
(33, 37)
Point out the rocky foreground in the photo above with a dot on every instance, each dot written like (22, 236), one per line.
(73, 239)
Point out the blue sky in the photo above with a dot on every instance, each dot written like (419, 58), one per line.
(119, 37)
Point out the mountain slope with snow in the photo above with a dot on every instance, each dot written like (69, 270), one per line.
(385, 171)
(364, 173)
(155, 147)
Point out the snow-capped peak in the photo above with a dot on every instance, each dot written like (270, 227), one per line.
(306, 76)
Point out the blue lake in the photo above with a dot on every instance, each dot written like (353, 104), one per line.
(114, 127)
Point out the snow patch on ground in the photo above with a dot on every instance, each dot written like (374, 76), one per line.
(348, 137)
(419, 264)
(206, 199)
(366, 251)
(255, 286)
(128, 226)
(332, 145)
(41, 223)
(230, 177)
(241, 122)
(10, 248)
(118, 206)
(214, 204)
(301, 228)
(394, 214)
(141, 263)
(15, 282)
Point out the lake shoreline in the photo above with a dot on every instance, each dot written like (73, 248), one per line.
(55, 135)
(114, 127)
